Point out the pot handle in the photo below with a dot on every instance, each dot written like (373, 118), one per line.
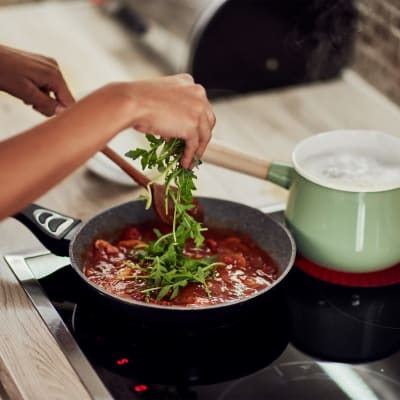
(280, 174)
(217, 153)
(53, 229)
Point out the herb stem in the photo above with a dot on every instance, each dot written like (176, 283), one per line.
(166, 268)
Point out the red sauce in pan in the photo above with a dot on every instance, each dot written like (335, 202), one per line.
(246, 268)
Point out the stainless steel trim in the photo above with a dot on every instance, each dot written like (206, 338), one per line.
(68, 345)
(271, 208)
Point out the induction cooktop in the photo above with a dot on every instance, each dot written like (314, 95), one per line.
(313, 340)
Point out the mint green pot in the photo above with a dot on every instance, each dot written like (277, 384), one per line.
(344, 230)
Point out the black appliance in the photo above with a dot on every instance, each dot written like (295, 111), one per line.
(236, 46)
(318, 340)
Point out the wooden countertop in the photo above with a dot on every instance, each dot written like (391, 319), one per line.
(93, 50)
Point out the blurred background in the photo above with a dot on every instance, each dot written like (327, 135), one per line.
(243, 45)
(276, 71)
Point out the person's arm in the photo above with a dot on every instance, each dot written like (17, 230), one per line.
(34, 161)
(35, 79)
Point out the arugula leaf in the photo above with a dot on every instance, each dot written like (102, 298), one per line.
(167, 268)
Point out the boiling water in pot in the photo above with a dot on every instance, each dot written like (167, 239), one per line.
(352, 169)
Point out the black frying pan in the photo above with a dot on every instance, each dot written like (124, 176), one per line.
(64, 235)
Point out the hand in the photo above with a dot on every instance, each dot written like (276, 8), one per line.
(169, 107)
(173, 106)
(35, 79)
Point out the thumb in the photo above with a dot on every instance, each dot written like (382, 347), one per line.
(40, 101)
(59, 108)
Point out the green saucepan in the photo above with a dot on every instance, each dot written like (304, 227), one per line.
(343, 204)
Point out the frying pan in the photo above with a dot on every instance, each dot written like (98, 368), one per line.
(68, 236)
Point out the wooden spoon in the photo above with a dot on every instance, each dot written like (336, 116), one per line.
(157, 190)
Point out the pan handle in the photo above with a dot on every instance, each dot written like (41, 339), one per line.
(53, 229)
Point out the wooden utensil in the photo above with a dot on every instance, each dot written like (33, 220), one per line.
(157, 190)
(219, 154)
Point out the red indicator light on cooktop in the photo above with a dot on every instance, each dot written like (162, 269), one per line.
(122, 361)
(140, 388)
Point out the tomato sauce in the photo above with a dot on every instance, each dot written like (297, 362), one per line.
(245, 269)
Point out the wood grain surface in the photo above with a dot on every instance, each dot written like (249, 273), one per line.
(31, 364)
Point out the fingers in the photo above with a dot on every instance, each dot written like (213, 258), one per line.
(206, 123)
(40, 100)
(198, 136)
(35, 79)
(47, 92)
(173, 107)
(52, 98)
(196, 143)
(62, 92)
(205, 129)
(185, 78)
(211, 117)
(54, 84)
(191, 146)
(49, 80)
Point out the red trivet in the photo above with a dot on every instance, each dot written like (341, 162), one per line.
(385, 277)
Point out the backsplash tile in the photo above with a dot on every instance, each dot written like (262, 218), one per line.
(377, 47)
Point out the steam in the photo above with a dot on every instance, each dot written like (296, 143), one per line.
(325, 29)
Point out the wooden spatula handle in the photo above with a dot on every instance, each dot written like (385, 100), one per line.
(224, 156)
(134, 173)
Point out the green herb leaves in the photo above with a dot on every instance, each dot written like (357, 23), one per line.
(167, 268)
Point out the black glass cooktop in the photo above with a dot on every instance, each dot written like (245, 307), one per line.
(313, 340)
(310, 340)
